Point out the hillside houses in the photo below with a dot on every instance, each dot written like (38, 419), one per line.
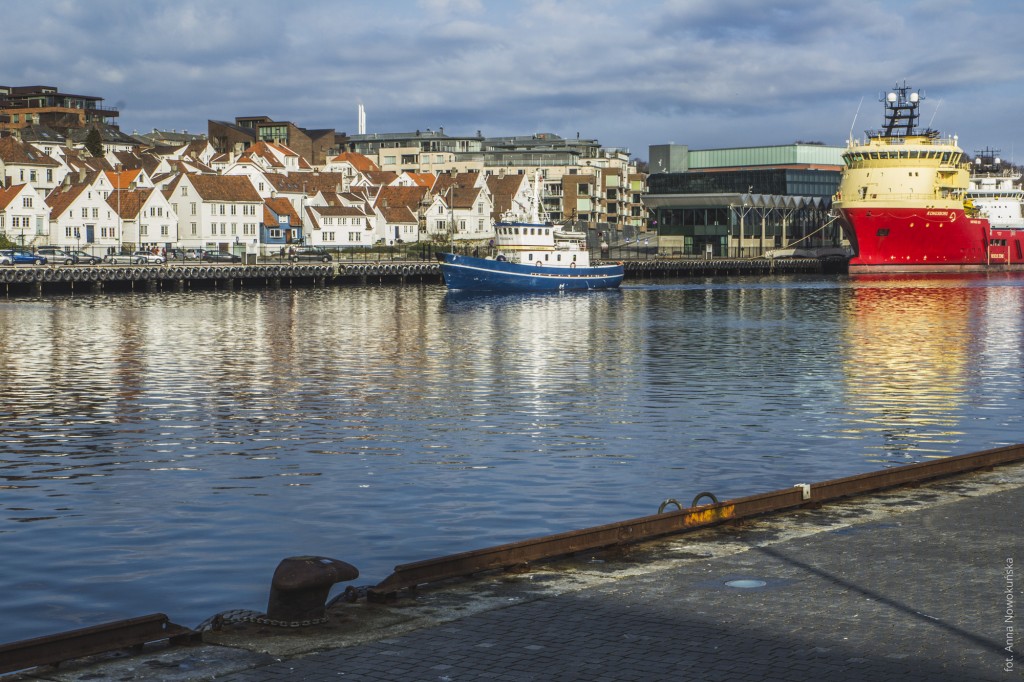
(179, 192)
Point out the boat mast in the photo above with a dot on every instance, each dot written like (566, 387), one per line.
(902, 113)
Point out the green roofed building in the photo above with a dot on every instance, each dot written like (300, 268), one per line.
(743, 202)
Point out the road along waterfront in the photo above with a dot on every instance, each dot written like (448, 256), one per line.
(163, 451)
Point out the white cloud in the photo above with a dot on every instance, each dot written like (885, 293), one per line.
(704, 73)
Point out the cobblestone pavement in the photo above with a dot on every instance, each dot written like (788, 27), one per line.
(918, 597)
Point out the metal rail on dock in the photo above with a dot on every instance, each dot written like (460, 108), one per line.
(53, 649)
(648, 527)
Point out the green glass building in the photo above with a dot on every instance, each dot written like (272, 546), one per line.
(743, 202)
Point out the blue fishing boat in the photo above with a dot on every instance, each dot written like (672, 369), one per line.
(469, 273)
(531, 255)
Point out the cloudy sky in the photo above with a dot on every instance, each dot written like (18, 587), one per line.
(707, 73)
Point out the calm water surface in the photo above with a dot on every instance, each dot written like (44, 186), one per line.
(163, 452)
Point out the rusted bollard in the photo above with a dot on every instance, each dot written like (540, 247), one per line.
(299, 589)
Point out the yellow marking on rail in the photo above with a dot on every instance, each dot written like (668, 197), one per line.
(709, 515)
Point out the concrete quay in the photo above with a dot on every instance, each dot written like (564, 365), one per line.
(917, 583)
(182, 276)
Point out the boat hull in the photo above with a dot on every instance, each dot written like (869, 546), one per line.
(918, 239)
(466, 273)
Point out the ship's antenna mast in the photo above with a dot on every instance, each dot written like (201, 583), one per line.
(855, 119)
(901, 111)
(934, 112)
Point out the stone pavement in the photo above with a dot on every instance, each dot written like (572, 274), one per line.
(917, 597)
(906, 585)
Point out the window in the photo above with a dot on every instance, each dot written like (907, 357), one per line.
(26, 202)
(193, 208)
(233, 207)
(143, 230)
(328, 237)
(49, 174)
(95, 212)
(184, 191)
(164, 230)
(274, 233)
(193, 227)
(85, 212)
(355, 236)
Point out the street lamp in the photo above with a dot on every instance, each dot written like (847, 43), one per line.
(117, 189)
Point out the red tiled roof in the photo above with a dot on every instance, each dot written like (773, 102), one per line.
(281, 206)
(128, 203)
(14, 151)
(62, 197)
(8, 195)
(224, 188)
(123, 179)
(360, 162)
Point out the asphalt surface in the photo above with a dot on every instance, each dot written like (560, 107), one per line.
(917, 584)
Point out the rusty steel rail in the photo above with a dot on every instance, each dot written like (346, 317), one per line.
(98, 639)
(647, 527)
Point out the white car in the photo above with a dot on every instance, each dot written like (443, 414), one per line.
(136, 258)
(5, 260)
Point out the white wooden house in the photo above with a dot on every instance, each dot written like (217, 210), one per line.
(215, 212)
(24, 216)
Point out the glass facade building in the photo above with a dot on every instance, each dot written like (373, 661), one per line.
(745, 211)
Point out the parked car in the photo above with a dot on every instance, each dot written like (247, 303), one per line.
(184, 254)
(308, 253)
(55, 254)
(5, 260)
(220, 257)
(136, 258)
(148, 257)
(86, 258)
(24, 257)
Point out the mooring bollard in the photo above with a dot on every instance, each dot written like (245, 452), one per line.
(299, 589)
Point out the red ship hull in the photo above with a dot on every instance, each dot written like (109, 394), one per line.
(927, 240)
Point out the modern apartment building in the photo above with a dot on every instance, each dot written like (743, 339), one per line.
(45, 105)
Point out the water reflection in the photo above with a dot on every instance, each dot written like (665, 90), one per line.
(168, 450)
(906, 351)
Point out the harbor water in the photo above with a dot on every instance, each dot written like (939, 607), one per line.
(162, 452)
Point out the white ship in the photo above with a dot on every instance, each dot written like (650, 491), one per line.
(996, 192)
